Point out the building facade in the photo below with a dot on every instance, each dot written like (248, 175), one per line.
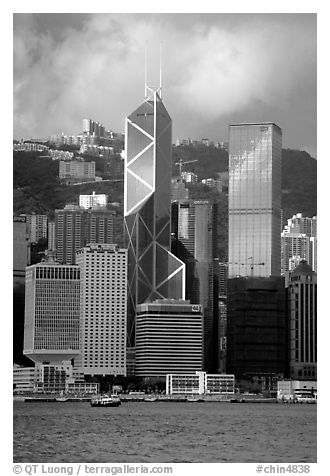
(69, 233)
(103, 270)
(38, 227)
(21, 259)
(75, 227)
(194, 227)
(178, 190)
(153, 272)
(256, 327)
(52, 312)
(303, 322)
(254, 199)
(169, 338)
(200, 383)
(89, 201)
(76, 171)
(298, 242)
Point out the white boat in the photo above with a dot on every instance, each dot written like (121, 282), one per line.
(106, 401)
(195, 400)
(62, 399)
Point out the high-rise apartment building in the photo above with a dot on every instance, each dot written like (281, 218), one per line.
(75, 227)
(298, 242)
(103, 309)
(153, 272)
(38, 227)
(194, 227)
(99, 225)
(52, 312)
(51, 236)
(302, 323)
(169, 338)
(69, 234)
(254, 199)
(76, 171)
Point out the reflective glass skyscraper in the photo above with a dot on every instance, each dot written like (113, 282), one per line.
(153, 272)
(254, 199)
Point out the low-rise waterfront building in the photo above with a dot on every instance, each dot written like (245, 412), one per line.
(23, 379)
(200, 383)
(292, 389)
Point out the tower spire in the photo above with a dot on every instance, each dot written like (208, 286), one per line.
(160, 70)
(145, 69)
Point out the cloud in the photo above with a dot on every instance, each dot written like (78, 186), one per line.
(211, 68)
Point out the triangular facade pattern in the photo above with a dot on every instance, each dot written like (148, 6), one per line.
(153, 271)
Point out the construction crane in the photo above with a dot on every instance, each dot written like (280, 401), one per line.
(181, 163)
(252, 265)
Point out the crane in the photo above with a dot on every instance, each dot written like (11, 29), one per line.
(252, 265)
(181, 163)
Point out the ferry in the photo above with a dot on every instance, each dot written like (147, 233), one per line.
(106, 401)
(151, 399)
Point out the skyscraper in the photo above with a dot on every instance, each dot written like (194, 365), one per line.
(194, 230)
(256, 327)
(169, 338)
(298, 242)
(52, 312)
(75, 227)
(153, 272)
(302, 323)
(68, 233)
(21, 259)
(254, 199)
(103, 309)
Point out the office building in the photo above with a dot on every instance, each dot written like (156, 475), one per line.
(169, 338)
(256, 327)
(254, 199)
(153, 272)
(76, 226)
(21, 259)
(89, 201)
(52, 312)
(103, 309)
(194, 227)
(303, 322)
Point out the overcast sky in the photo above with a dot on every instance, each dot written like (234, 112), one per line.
(217, 69)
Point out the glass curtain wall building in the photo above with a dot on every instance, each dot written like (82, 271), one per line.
(255, 199)
(153, 272)
(194, 242)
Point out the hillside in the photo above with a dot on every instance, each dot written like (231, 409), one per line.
(37, 189)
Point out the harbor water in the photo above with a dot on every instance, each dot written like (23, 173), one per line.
(171, 432)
